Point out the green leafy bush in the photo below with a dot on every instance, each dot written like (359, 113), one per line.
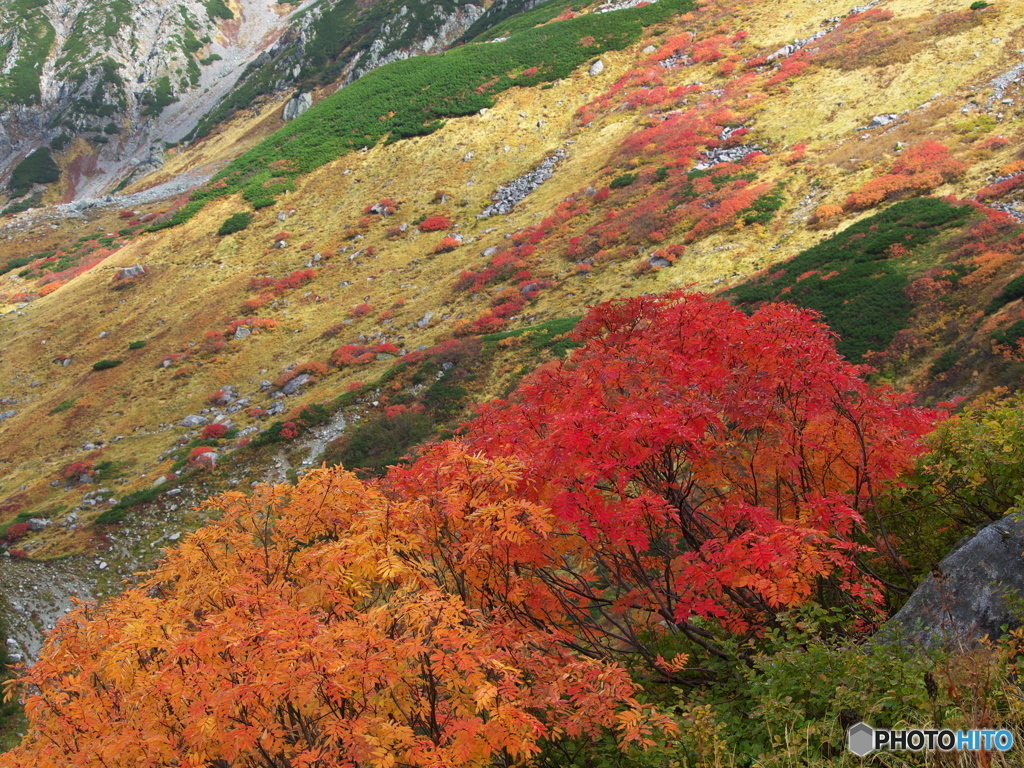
(63, 405)
(1014, 290)
(853, 278)
(762, 209)
(217, 9)
(1009, 335)
(380, 442)
(235, 223)
(622, 181)
(137, 345)
(102, 365)
(37, 168)
(944, 362)
(13, 264)
(117, 513)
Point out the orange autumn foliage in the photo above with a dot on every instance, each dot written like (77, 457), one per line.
(920, 169)
(331, 624)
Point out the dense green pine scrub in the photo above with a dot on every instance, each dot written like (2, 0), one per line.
(413, 97)
(856, 278)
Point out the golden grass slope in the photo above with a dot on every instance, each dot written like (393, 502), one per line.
(196, 281)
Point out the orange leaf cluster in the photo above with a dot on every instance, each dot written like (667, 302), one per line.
(332, 624)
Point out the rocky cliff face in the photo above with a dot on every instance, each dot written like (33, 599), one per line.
(108, 84)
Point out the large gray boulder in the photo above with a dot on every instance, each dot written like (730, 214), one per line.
(974, 592)
(296, 106)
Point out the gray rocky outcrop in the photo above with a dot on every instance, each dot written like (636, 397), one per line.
(296, 384)
(296, 105)
(509, 195)
(973, 592)
(129, 272)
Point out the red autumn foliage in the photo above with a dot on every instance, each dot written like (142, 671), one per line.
(1000, 188)
(75, 470)
(435, 224)
(919, 169)
(213, 432)
(360, 310)
(289, 282)
(789, 69)
(447, 245)
(649, 432)
(16, 532)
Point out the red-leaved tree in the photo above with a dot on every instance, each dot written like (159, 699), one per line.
(720, 467)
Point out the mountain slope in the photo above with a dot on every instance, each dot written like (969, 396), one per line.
(705, 149)
(107, 85)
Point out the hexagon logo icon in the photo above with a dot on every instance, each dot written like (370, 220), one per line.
(860, 738)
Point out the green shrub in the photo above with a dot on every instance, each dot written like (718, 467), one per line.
(183, 214)
(977, 5)
(13, 264)
(116, 513)
(1010, 335)
(444, 399)
(217, 9)
(235, 223)
(37, 168)
(944, 362)
(380, 442)
(63, 405)
(111, 129)
(852, 279)
(1014, 290)
(23, 205)
(762, 209)
(102, 365)
(137, 345)
(161, 96)
(551, 335)
(622, 181)
(969, 477)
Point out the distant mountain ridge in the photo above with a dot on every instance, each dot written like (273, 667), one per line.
(106, 86)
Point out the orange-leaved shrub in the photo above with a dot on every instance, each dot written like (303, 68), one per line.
(334, 623)
(919, 169)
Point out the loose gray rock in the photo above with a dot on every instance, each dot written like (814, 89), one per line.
(8, 415)
(649, 50)
(596, 68)
(658, 261)
(509, 195)
(296, 106)
(242, 332)
(129, 272)
(424, 321)
(37, 524)
(296, 384)
(194, 420)
(975, 594)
